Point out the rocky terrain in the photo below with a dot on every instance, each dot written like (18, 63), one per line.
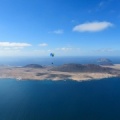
(104, 61)
(79, 72)
(92, 68)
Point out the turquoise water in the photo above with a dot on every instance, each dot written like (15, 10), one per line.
(61, 100)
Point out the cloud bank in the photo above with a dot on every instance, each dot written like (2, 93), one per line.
(92, 26)
(14, 44)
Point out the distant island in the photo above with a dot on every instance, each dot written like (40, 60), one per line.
(78, 72)
(104, 61)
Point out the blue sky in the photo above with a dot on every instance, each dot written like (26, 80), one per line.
(65, 27)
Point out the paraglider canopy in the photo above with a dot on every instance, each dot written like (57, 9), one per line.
(52, 54)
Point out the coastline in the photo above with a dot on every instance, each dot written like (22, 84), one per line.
(87, 80)
(20, 73)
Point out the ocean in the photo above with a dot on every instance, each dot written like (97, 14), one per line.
(21, 61)
(59, 100)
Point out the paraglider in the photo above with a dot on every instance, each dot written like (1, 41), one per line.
(52, 55)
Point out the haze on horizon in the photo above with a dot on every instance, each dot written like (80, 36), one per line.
(65, 27)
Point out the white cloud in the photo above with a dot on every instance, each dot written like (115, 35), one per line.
(105, 50)
(43, 44)
(60, 31)
(68, 49)
(13, 44)
(92, 26)
(64, 49)
(11, 48)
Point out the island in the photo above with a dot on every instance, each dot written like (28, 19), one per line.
(72, 71)
(104, 61)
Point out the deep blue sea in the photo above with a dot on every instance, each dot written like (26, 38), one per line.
(21, 61)
(61, 100)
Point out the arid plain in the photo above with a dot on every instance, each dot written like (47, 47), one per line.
(24, 73)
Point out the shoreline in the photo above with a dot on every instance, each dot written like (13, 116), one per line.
(87, 80)
(21, 73)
